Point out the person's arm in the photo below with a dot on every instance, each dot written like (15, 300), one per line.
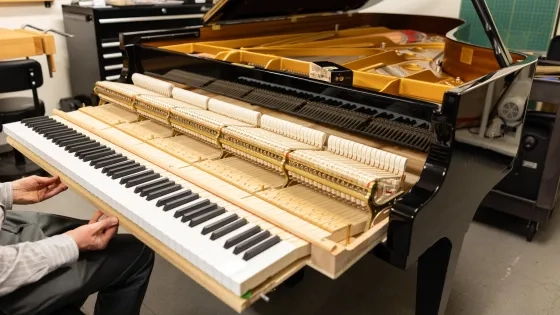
(28, 262)
(6, 198)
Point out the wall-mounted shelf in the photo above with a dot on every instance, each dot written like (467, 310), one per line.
(47, 3)
(20, 43)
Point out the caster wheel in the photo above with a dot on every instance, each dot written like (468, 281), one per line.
(532, 229)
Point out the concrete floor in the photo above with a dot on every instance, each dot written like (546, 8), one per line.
(499, 273)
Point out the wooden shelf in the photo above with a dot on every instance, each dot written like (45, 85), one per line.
(20, 43)
(46, 2)
(18, 1)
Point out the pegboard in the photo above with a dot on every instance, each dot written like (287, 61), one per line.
(522, 24)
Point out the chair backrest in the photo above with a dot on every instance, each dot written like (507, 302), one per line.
(20, 75)
(553, 52)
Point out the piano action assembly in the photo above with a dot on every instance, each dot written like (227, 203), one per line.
(294, 134)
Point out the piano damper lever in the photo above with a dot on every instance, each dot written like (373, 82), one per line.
(500, 51)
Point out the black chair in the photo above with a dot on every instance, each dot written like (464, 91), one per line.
(15, 76)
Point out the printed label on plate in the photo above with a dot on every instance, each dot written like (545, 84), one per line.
(319, 73)
(530, 164)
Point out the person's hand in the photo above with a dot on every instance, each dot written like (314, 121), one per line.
(34, 189)
(95, 235)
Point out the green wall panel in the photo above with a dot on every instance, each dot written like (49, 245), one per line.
(523, 24)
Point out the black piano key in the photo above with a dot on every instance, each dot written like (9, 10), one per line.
(198, 212)
(110, 161)
(175, 196)
(50, 129)
(107, 160)
(39, 123)
(58, 140)
(35, 119)
(241, 237)
(109, 170)
(255, 251)
(86, 145)
(162, 192)
(62, 141)
(65, 142)
(76, 141)
(191, 206)
(128, 178)
(205, 217)
(47, 124)
(60, 134)
(179, 202)
(118, 166)
(86, 152)
(218, 224)
(245, 245)
(227, 229)
(150, 184)
(99, 153)
(62, 128)
(141, 180)
(128, 171)
(148, 190)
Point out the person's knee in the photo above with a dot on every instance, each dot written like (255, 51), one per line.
(144, 255)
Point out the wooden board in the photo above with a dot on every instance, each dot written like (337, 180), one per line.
(19, 43)
(237, 303)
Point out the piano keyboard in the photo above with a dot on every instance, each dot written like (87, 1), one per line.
(232, 246)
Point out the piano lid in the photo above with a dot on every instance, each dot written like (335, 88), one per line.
(239, 10)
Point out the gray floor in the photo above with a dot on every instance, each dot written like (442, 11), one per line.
(499, 273)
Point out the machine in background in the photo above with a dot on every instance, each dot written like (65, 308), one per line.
(530, 190)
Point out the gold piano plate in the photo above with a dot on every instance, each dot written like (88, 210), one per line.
(416, 60)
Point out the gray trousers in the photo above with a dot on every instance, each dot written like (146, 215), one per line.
(119, 274)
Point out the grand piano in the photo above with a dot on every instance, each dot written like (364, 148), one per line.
(319, 131)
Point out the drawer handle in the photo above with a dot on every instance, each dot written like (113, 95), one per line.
(113, 67)
(113, 55)
(113, 77)
(110, 44)
(150, 18)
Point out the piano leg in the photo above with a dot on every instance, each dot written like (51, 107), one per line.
(436, 268)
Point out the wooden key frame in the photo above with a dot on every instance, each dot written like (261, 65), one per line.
(238, 303)
(328, 257)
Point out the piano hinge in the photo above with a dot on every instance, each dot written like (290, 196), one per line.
(216, 27)
(293, 19)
